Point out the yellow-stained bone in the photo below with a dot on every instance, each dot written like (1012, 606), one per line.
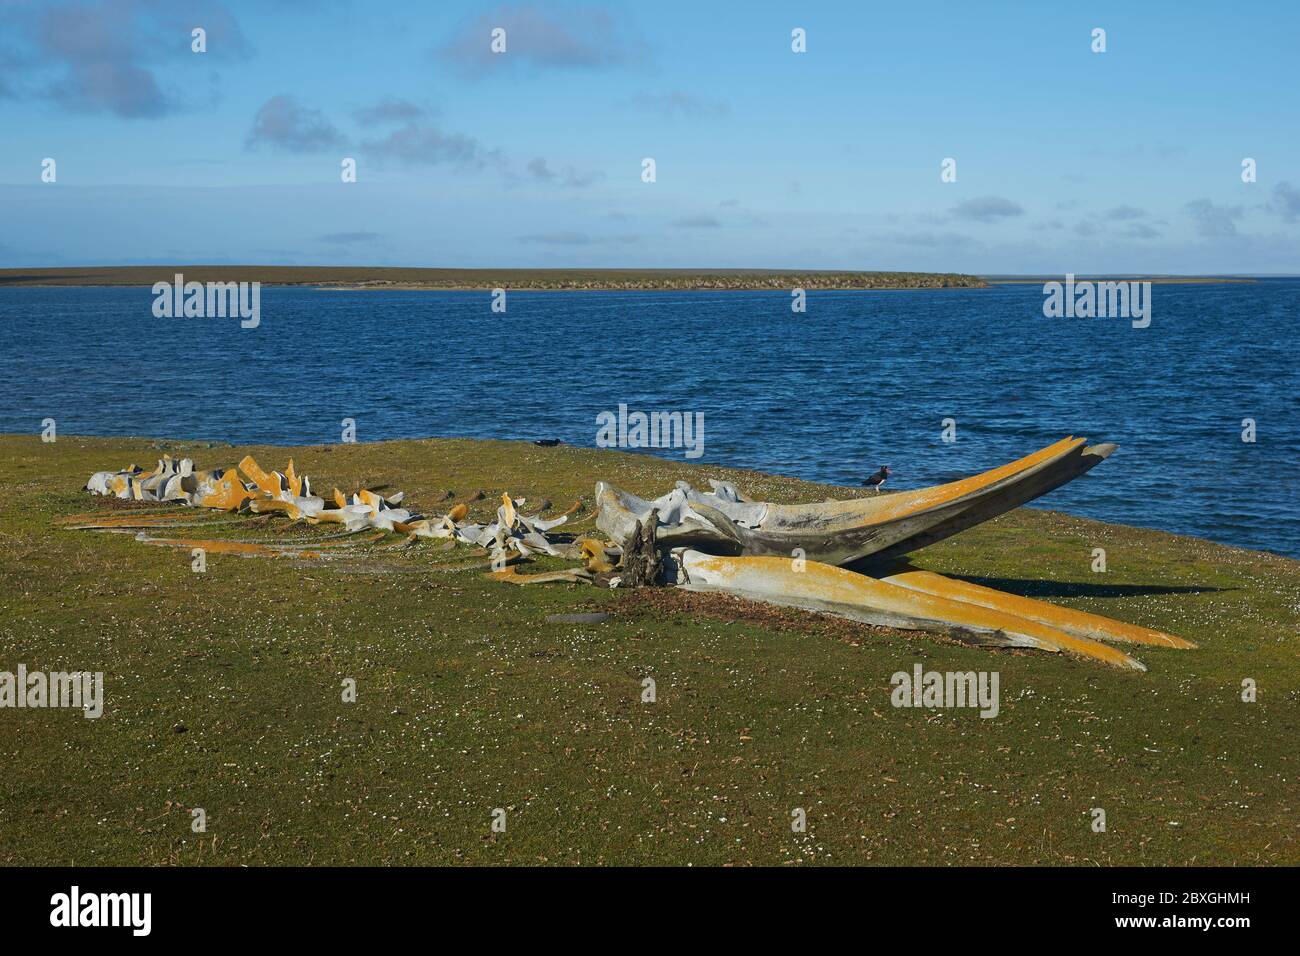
(262, 549)
(512, 576)
(220, 546)
(459, 513)
(93, 516)
(509, 514)
(822, 586)
(909, 502)
(573, 509)
(879, 509)
(253, 471)
(340, 498)
(842, 532)
(228, 493)
(594, 554)
(295, 482)
(268, 505)
(127, 521)
(329, 516)
(348, 541)
(1078, 623)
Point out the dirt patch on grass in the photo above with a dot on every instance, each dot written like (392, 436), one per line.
(667, 602)
(129, 504)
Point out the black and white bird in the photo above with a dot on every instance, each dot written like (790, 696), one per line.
(877, 480)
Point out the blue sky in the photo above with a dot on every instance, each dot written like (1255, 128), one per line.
(1067, 160)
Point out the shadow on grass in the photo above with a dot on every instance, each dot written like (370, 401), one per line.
(1047, 589)
(1032, 588)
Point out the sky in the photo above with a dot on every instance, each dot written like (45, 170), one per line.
(1066, 159)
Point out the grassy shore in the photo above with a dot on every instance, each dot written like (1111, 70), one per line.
(362, 278)
(223, 691)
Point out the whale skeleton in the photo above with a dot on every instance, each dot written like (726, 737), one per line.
(250, 489)
(823, 587)
(828, 556)
(842, 532)
(836, 557)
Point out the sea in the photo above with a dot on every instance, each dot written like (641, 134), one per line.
(1204, 401)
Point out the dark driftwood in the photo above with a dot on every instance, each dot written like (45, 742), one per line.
(642, 564)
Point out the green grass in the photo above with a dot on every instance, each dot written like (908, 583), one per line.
(469, 700)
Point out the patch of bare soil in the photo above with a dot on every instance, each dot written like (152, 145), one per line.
(666, 602)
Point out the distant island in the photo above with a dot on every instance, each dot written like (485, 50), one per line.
(369, 278)
(1155, 279)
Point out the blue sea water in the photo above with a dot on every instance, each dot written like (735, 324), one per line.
(859, 380)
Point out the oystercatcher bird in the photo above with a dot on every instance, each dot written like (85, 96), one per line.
(877, 480)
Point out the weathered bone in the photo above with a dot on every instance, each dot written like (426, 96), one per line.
(821, 587)
(720, 541)
(222, 490)
(842, 532)
(512, 576)
(1069, 620)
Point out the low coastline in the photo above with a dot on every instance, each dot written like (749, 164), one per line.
(387, 279)
(399, 279)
